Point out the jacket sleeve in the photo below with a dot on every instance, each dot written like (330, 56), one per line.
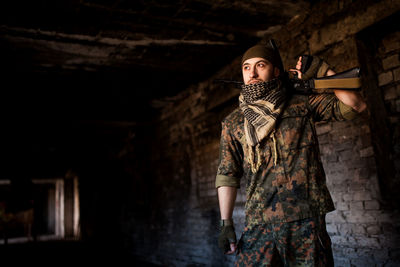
(230, 168)
(327, 107)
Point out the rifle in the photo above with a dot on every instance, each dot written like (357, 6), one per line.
(347, 80)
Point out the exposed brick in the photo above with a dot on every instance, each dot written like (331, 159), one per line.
(337, 250)
(385, 78)
(342, 187)
(390, 93)
(344, 146)
(356, 205)
(341, 134)
(211, 193)
(342, 206)
(338, 239)
(345, 155)
(335, 216)
(391, 106)
(380, 216)
(391, 42)
(352, 241)
(341, 125)
(332, 158)
(396, 75)
(342, 262)
(390, 62)
(326, 149)
(359, 216)
(359, 185)
(363, 252)
(365, 140)
(365, 129)
(349, 251)
(362, 173)
(371, 205)
(374, 230)
(362, 262)
(323, 139)
(338, 178)
(347, 197)
(358, 229)
(371, 242)
(398, 105)
(367, 152)
(337, 197)
(331, 228)
(362, 195)
(335, 167)
(381, 254)
(323, 128)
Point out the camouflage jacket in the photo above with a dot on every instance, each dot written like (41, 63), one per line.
(295, 187)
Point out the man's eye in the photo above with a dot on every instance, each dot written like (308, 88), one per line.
(261, 65)
(246, 68)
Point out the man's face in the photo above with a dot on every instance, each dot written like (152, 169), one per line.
(257, 70)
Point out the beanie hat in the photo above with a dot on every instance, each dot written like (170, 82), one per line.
(262, 51)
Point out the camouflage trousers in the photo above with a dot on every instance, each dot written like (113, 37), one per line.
(299, 243)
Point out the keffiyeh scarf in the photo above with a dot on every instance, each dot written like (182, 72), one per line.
(261, 104)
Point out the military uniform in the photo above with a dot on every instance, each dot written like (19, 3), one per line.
(289, 186)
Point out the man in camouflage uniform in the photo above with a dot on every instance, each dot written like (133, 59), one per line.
(271, 141)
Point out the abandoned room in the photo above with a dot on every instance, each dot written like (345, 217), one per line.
(111, 125)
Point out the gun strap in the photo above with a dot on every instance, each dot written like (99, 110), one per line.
(337, 83)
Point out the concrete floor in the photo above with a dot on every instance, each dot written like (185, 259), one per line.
(66, 253)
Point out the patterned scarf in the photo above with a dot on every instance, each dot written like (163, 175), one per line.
(261, 103)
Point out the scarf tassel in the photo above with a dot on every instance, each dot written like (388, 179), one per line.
(254, 158)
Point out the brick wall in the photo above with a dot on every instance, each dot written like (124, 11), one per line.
(358, 226)
(364, 228)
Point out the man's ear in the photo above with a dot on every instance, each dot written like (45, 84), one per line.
(276, 72)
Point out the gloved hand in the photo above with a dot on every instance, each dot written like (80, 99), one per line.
(226, 237)
(312, 67)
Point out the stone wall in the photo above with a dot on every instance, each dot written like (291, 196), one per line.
(365, 226)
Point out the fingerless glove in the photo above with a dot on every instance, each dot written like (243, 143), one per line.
(226, 236)
(313, 67)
